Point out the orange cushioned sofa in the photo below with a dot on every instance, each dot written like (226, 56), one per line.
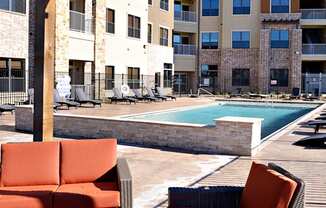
(65, 174)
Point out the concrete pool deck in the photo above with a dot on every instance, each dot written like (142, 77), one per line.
(154, 169)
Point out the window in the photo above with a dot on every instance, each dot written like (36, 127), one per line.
(109, 77)
(240, 77)
(240, 39)
(280, 6)
(241, 6)
(134, 77)
(177, 39)
(279, 39)
(110, 21)
(209, 40)
(12, 75)
(157, 79)
(279, 77)
(164, 4)
(208, 75)
(167, 76)
(133, 26)
(210, 7)
(164, 36)
(149, 33)
(150, 2)
(13, 5)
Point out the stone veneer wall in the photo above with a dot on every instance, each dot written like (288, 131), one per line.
(230, 135)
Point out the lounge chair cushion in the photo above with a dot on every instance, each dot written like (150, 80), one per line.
(267, 188)
(87, 160)
(27, 196)
(87, 195)
(32, 163)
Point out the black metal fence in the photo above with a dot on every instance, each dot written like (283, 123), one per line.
(12, 86)
(314, 83)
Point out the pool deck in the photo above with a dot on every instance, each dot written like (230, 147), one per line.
(154, 170)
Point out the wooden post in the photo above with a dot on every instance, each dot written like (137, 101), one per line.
(44, 70)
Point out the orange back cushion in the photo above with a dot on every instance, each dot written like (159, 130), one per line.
(267, 188)
(34, 163)
(87, 160)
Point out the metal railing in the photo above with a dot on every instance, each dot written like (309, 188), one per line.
(12, 86)
(184, 49)
(313, 13)
(185, 16)
(79, 22)
(314, 49)
(314, 83)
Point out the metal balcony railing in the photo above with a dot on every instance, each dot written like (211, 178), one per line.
(184, 49)
(313, 13)
(185, 16)
(79, 23)
(314, 49)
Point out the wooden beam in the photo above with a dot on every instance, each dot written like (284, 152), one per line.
(44, 70)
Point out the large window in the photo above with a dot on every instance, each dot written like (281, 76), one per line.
(167, 76)
(279, 39)
(241, 39)
(164, 36)
(241, 6)
(12, 75)
(210, 7)
(134, 77)
(208, 75)
(109, 77)
(149, 33)
(280, 6)
(209, 40)
(240, 77)
(164, 4)
(110, 19)
(279, 77)
(133, 26)
(13, 5)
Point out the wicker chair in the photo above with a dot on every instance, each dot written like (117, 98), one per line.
(226, 196)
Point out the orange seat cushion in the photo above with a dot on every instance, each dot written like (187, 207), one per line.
(27, 196)
(267, 188)
(34, 163)
(87, 160)
(87, 195)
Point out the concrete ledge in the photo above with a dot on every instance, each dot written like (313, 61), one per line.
(230, 135)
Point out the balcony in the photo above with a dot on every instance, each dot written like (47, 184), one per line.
(185, 16)
(313, 17)
(79, 22)
(315, 51)
(184, 49)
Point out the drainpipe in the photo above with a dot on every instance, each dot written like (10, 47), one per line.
(198, 44)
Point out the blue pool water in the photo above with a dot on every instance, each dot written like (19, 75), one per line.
(275, 116)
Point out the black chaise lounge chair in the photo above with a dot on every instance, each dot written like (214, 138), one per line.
(317, 124)
(7, 108)
(138, 96)
(57, 99)
(118, 97)
(82, 98)
(295, 93)
(161, 93)
(152, 95)
(318, 140)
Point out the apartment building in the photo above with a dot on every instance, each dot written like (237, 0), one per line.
(248, 45)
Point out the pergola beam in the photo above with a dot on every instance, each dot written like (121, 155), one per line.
(44, 70)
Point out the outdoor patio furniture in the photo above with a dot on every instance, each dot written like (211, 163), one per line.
(118, 97)
(63, 102)
(318, 140)
(317, 124)
(137, 95)
(255, 96)
(82, 98)
(161, 93)
(267, 187)
(152, 95)
(75, 173)
(295, 93)
(7, 108)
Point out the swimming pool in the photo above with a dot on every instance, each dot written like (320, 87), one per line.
(275, 116)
